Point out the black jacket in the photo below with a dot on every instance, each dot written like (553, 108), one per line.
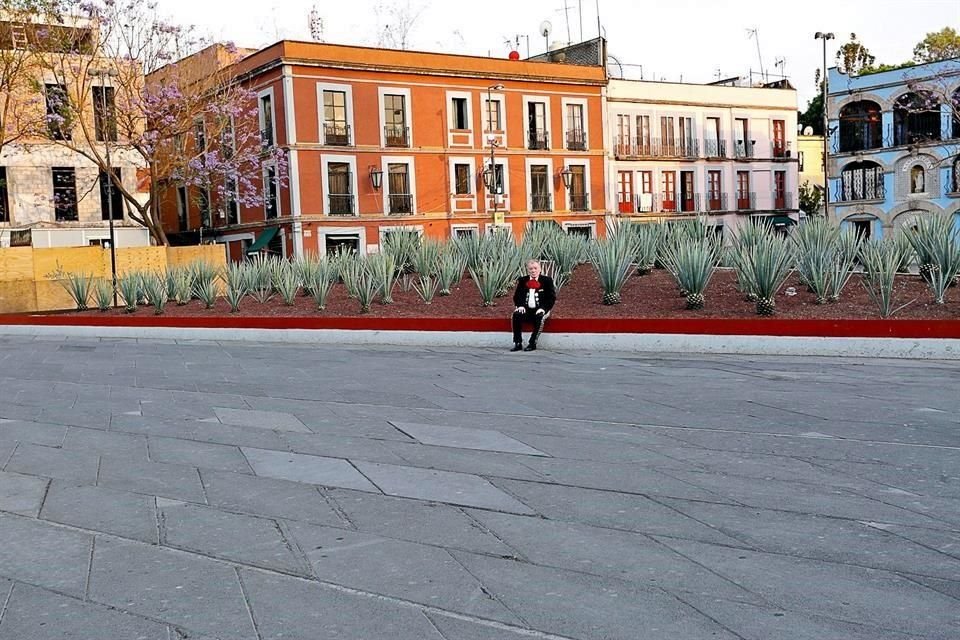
(545, 296)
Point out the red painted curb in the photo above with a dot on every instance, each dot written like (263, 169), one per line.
(704, 326)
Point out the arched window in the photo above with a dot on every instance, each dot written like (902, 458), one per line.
(916, 118)
(955, 177)
(956, 114)
(860, 126)
(918, 179)
(861, 181)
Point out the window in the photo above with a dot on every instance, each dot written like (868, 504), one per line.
(64, 193)
(668, 138)
(493, 115)
(58, 112)
(464, 233)
(863, 229)
(111, 198)
(203, 204)
(340, 185)
(4, 196)
(688, 199)
(916, 118)
(233, 206)
(578, 188)
(266, 120)
(954, 179)
(183, 210)
(497, 180)
(744, 148)
(779, 139)
(21, 238)
(643, 135)
(780, 190)
(714, 191)
(461, 179)
(861, 126)
(336, 131)
(104, 114)
(395, 120)
(624, 141)
(668, 181)
(537, 125)
(800, 159)
(744, 199)
(461, 120)
(713, 144)
(582, 230)
(688, 146)
(917, 179)
(398, 184)
(341, 243)
(270, 201)
(200, 136)
(861, 181)
(540, 187)
(625, 191)
(645, 202)
(576, 133)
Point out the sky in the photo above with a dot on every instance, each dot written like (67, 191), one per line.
(673, 40)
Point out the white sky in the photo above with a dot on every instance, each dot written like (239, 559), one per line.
(672, 39)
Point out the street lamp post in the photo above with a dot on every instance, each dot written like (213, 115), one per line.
(491, 182)
(821, 35)
(105, 127)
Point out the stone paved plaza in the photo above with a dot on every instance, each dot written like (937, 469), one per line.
(160, 491)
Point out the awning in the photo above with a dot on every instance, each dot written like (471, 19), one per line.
(264, 239)
(779, 221)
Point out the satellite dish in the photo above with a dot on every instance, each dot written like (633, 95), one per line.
(808, 131)
(546, 28)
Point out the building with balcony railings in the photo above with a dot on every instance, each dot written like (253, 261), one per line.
(682, 150)
(443, 145)
(894, 145)
(51, 193)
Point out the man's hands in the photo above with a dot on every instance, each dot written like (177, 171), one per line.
(540, 312)
(520, 310)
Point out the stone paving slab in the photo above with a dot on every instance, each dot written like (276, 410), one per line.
(128, 515)
(78, 466)
(105, 443)
(273, 420)
(174, 481)
(203, 455)
(328, 472)
(268, 497)
(21, 494)
(44, 555)
(463, 438)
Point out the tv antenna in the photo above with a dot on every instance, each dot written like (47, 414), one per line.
(316, 25)
(781, 63)
(545, 30)
(755, 34)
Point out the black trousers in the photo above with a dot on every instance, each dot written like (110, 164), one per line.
(531, 316)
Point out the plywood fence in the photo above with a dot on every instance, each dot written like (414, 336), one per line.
(28, 276)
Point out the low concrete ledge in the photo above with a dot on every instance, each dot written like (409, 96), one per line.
(915, 348)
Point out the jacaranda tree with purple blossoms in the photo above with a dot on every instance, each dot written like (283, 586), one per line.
(177, 111)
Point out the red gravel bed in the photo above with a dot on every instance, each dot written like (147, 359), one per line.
(651, 296)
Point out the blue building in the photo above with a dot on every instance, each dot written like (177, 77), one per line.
(894, 150)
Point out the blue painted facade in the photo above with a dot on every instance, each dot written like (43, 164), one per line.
(891, 161)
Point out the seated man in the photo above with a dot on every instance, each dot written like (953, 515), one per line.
(534, 298)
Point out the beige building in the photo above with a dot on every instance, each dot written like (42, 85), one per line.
(810, 156)
(52, 195)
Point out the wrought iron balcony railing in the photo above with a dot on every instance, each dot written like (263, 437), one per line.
(400, 203)
(858, 137)
(340, 204)
(780, 149)
(854, 190)
(538, 139)
(781, 200)
(541, 202)
(579, 202)
(715, 148)
(746, 201)
(744, 148)
(642, 147)
(396, 136)
(716, 201)
(336, 134)
(576, 140)
(266, 138)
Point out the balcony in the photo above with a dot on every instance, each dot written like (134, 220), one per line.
(626, 147)
(781, 200)
(401, 204)
(396, 136)
(576, 140)
(540, 202)
(538, 139)
(779, 150)
(917, 129)
(336, 134)
(340, 204)
(579, 202)
(266, 138)
(854, 138)
(715, 148)
(857, 190)
(716, 201)
(744, 148)
(746, 201)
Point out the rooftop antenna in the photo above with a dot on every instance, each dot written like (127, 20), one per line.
(316, 25)
(719, 73)
(566, 16)
(545, 29)
(755, 34)
(782, 64)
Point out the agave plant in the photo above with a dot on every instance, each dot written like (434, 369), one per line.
(473, 250)
(766, 266)
(816, 247)
(847, 254)
(563, 253)
(236, 280)
(155, 289)
(747, 237)
(427, 257)
(367, 287)
(77, 286)
(286, 281)
(259, 273)
(648, 240)
(103, 294)
(881, 262)
(937, 245)
(538, 236)
(450, 268)
(322, 276)
(202, 273)
(426, 287)
(207, 292)
(904, 252)
(489, 276)
(180, 284)
(693, 263)
(350, 266)
(401, 245)
(612, 258)
(129, 286)
(384, 272)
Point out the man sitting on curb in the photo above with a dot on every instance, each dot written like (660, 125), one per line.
(534, 298)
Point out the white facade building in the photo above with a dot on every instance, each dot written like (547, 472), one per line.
(681, 150)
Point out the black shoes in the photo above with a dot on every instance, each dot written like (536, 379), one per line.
(531, 347)
(517, 346)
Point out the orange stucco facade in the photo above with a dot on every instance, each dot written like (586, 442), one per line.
(404, 142)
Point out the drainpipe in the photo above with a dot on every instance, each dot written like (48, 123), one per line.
(293, 165)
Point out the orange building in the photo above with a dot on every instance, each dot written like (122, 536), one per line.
(380, 140)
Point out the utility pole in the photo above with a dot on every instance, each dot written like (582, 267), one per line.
(107, 129)
(820, 35)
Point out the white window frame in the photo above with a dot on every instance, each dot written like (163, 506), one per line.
(407, 111)
(273, 113)
(590, 224)
(451, 117)
(383, 230)
(324, 231)
(501, 100)
(586, 120)
(385, 161)
(529, 162)
(488, 228)
(527, 99)
(348, 90)
(461, 227)
(325, 161)
(585, 163)
(474, 186)
(263, 172)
